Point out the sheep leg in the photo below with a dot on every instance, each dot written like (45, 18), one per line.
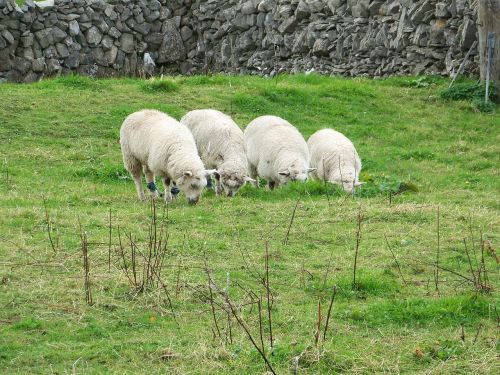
(218, 186)
(150, 179)
(209, 182)
(253, 174)
(133, 166)
(166, 185)
(175, 191)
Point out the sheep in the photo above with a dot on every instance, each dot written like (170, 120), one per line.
(159, 145)
(335, 158)
(276, 151)
(220, 144)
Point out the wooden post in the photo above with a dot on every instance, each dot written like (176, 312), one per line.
(488, 21)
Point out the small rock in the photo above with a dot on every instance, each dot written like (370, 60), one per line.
(114, 32)
(93, 36)
(107, 42)
(74, 28)
(22, 65)
(111, 54)
(38, 65)
(73, 60)
(5, 61)
(58, 35)
(62, 50)
(186, 33)
(172, 48)
(127, 43)
(468, 33)
(302, 10)
(154, 40)
(249, 7)
(7, 36)
(442, 10)
(44, 37)
(288, 25)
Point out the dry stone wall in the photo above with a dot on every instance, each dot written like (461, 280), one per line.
(348, 37)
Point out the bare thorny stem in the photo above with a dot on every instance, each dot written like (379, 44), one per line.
(49, 226)
(327, 271)
(232, 310)
(86, 268)
(436, 274)
(329, 311)
(285, 241)
(358, 241)
(476, 286)
(177, 283)
(259, 305)
(268, 292)
(395, 259)
(318, 326)
(229, 325)
(167, 294)
(477, 332)
(109, 245)
(483, 264)
(122, 254)
(211, 299)
(245, 328)
(444, 269)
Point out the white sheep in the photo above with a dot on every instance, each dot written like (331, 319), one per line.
(276, 151)
(335, 158)
(220, 143)
(159, 145)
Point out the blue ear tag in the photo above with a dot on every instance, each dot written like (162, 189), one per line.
(151, 186)
(174, 190)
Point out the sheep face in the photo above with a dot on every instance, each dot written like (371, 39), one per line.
(231, 182)
(347, 180)
(294, 173)
(192, 184)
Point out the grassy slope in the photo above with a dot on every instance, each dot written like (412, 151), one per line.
(59, 142)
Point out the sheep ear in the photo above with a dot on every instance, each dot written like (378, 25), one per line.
(209, 172)
(309, 170)
(188, 173)
(284, 173)
(249, 179)
(359, 183)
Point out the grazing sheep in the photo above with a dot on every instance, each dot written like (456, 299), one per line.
(160, 146)
(220, 143)
(276, 151)
(335, 158)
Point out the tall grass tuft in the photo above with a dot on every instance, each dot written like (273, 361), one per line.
(473, 92)
(160, 85)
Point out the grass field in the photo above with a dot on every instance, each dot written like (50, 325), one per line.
(432, 189)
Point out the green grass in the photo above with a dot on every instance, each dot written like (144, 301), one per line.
(59, 143)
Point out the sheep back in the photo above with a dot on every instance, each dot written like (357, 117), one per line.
(218, 138)
(272, 144)
(334, 156)
(159, 142)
